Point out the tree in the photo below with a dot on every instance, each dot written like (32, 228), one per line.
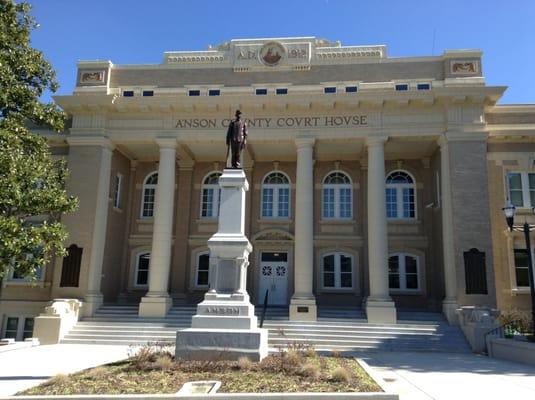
(32, 183)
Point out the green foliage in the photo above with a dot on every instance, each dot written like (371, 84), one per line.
(32, 194)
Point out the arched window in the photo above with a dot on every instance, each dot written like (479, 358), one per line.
(400, 195)
(403, 272)
(142, 269)
(276, 196)
(149, 191)
(337, 271)
(202, 270)
(210, 195)
(336, 196)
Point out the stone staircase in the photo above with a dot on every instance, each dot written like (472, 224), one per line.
(341, 329)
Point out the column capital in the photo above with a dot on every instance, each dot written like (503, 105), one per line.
(303, 142)
(461, 136)
(376, 140)
(101, 141)
(166, 142)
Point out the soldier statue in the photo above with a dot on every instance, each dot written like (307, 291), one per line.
(236, 139)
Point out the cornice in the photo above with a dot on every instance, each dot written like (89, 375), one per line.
(91, 141)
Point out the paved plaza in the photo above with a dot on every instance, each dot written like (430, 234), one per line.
(415, 376)
(441, 376)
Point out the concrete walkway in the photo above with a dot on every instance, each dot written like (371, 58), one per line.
(424, 376)
(23, 368)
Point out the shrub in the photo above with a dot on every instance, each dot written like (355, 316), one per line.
(292, 360)
(310, 352)
(96, 373)
(245, 364)
(341, 374)
(57, 380)
(163, 362)
(335, 354)
(516, 321)
(310, 371)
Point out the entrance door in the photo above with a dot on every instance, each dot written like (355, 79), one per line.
(274, 277)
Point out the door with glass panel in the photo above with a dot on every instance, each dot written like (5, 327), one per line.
(274, 277)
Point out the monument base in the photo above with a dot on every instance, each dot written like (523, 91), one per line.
(154, 307)
(381, 312)
(221, 344)
(303, 309)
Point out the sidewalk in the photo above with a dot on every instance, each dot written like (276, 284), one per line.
(26, 367)
(423, 376)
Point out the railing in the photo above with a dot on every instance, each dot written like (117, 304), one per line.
(264, 309)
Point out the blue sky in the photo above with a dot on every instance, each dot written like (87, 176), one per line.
(135, 31)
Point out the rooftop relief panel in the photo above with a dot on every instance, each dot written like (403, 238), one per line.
(264, 54)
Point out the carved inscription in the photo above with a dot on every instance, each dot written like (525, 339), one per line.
(218, 310)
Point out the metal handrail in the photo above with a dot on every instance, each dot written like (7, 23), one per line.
(264, 309)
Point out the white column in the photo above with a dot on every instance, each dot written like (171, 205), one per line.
(449, 305)
(303, 303)
(379, 305)
(93, 298)
(157, 302)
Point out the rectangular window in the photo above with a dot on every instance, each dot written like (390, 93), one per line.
(402, 87)
(515, 189)
(148, 202)
(411, 273)
(148, 93)
(284, 201)
(28, 328)
(521, 187)
(391, 203)
(11, 328)
(330, 89)
(345, 272)
(521, 268)
(345, 203)
(194, 92)
(328, 271)
(393, 272)
(423, 86)
(37, 273)
(281, 91)
(408, 203)
(261, 92)
(267, 202)
(143, 262)
(117, 191)
(128, 93)
(328, 203)
(203, 269)
(351, 89)
(214, 92)
(207, 203)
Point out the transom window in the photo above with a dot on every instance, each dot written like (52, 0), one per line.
(336, 196)
(403, 272)
(400, 195)
(149, 192)
(337, 271)
(210, 196)
(276, 196)
(142, 269)
(521, 188)
(202, 270)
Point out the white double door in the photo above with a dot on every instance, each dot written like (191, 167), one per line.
(274, 278)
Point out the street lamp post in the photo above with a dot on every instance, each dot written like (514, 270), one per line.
(509, 212)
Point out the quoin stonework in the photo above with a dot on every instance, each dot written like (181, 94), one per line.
(375, 182)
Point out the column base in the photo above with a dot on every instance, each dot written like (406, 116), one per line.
(449, 309)
(381, 312)
(221, 344)
(303, 309)
(92, 303)
(154, 307)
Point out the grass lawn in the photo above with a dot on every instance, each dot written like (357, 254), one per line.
(151, 371)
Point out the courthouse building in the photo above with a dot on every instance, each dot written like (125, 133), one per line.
(372, 178)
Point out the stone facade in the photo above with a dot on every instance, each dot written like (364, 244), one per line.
(319, 109)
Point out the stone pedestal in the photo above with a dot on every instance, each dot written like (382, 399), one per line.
(225, 327)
